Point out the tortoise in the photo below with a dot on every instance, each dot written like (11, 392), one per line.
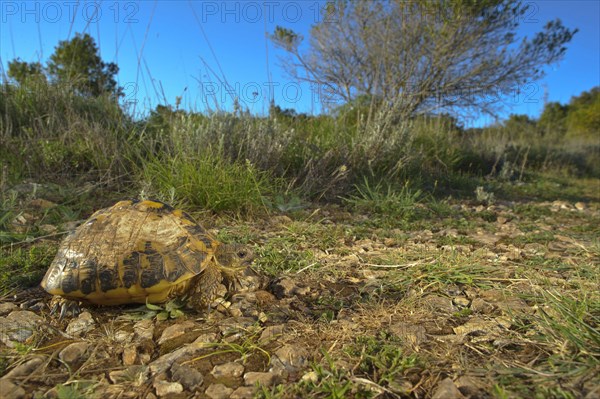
(143, 252)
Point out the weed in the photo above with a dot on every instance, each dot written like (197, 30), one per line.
(383, 199)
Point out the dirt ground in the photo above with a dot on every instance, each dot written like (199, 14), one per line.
(466, 299)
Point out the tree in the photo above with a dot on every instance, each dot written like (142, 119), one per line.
(583, 119)
(77, 63)
(423, 56)
(23, 72)
(553, 121)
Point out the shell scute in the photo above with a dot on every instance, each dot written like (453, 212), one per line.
(138, 251)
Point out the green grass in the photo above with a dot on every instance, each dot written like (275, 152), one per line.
(24, 267)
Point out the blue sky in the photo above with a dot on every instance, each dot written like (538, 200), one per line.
(167, 49)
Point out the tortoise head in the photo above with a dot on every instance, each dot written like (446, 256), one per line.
(233, 260)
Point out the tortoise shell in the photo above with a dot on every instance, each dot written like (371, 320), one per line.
(142, 251)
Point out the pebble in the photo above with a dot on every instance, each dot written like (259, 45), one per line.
(228, 370)
(446, 389)
(74, 353)
(25, 369)
(243, 393)
(261, 378)
(7, 307)
(289, 358)
(271, 333)
(175, 331)
(164, 388)
(9, 390)
(190, 378)
(218, 391)
(283, 287)
(18, 326)
(81, 325)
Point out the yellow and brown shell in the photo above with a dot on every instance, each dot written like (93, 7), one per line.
(142, 251)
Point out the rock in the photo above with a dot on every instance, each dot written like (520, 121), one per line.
(190, 378)
(271, 333)
(164, 362)
(25, 369)
(228, 370)
(470, 386)
(41, 203)
(264, 298)
(439, 303)
(175, 331)
(74, 353)
(479, 305)
(445, 389)
(136, 374)
(580, 206)
(265, 379)
(143, 329)
(81, 325)
(18, 326)
(164, 388)
(123, 337)
(9, 390)
(7, 307)
(218, 391)
(501, 220)
(461, 302)
(289, 358)
(243, 393)
(284, 287)
(130, 356)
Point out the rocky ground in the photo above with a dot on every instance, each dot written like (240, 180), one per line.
(468, 300)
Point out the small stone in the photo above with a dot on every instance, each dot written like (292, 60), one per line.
(501, 220)
(461, 302)
(580, 206)
(18, 326)
(265, 379)
(469, 386)
(74, 353)
(243, 393)
(175, 331)
(479, 305)
(311, 376)
(190, 378)
(271, 332)
(218, 391)
(41, 203)
(264, 298)
(164, 362)
(439, 303)
(7, 307)
(26, 368)
(143, 329)
(445, 389)
(164, 388)
(80, 325)
(289, 358)
(130, 355)
(123, 337)
(228, 370)
(9, 390)
(283, 287)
